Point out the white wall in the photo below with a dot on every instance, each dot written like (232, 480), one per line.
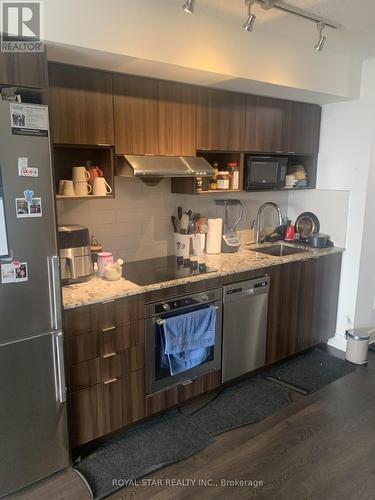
(365, 306)
(148, 33)
(344, 162)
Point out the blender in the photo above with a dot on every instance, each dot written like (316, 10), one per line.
(231, 212)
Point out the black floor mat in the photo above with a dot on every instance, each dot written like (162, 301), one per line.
(310, 371)
(247, 402)
(138, 451)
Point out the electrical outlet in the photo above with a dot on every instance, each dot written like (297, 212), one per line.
(373, 305)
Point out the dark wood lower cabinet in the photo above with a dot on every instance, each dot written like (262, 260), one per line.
(320, 280)
(162, 400)
(302, 305)
(178, 394)
(105, 359)
(283, 310)
(200, 385)
(106, 407)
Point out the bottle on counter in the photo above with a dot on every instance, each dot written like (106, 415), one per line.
(234, 175)
(289, 232)
(213, 179)
(223, 180)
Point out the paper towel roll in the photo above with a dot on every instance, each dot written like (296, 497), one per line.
(215, 228)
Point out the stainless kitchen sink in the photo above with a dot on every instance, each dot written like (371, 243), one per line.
(279, 250)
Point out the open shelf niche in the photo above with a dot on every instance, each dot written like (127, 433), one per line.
(187, 185)
(66, 156)
(184, 185)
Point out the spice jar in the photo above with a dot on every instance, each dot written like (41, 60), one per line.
(213, 179)
(223, 180)
(235, 175)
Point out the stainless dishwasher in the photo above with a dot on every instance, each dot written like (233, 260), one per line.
(245, 327)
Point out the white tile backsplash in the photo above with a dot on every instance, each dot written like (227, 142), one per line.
(136, 224)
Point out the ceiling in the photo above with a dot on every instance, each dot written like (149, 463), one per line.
(356, 17)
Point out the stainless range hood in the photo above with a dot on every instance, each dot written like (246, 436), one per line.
(152, 169)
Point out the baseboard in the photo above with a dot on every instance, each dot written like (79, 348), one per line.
(339, 342)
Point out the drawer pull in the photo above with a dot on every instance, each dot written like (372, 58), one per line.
(109, 355)
(110, 381)
(108, 329)
(188, 382)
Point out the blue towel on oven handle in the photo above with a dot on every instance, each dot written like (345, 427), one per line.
(183, 361)
(188, 339)
(189, 331)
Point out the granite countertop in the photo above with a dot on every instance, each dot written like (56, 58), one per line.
(99, 290)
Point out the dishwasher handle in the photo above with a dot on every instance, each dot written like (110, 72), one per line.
(258, 286)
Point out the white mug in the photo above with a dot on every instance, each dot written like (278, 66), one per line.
(68, 189)
(101, 187)
(80, 174)
(82, 188)
(61, 186)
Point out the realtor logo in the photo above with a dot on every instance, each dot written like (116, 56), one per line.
(21, 26)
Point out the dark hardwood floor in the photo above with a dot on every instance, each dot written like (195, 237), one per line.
(321, 447)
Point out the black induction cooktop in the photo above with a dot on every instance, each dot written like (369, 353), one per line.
(149, 271)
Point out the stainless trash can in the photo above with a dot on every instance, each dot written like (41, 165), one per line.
(357, 345)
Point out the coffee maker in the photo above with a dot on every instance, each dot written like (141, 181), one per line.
(231, 211)
(75, 254)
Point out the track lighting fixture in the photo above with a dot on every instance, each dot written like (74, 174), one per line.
(189, 6)
(248, 25)
(322, 39)
(283, 6)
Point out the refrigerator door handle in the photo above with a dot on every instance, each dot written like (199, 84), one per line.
(60, 384)
(55, 297)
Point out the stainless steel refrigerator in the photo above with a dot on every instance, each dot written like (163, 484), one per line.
(33, 423)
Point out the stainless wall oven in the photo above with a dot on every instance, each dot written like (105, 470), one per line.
(158, 375)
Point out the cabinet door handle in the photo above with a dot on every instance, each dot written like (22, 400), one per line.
(109, 355)
(110, 381)
(188, 382)
(108, 329)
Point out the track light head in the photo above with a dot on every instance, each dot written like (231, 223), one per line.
(319, 46)
(248, 25)
(188, 6)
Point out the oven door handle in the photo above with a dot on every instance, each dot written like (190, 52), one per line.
(160, 321)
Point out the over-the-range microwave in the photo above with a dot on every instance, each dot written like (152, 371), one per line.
(264, 172)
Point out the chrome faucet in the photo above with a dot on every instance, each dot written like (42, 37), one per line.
(259, 214)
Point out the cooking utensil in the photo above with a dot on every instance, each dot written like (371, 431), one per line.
(184, 223)
(189, 213)
(174, 223)
(192, 227)
(306, 224)
(318, 240)
(179, 213)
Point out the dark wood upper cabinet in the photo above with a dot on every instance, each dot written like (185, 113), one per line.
(22, 70)
(81, 105)
(221, 120)
(177, 118)
(279, 126)
(266, 120)
(303, 127)
(136, 115)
